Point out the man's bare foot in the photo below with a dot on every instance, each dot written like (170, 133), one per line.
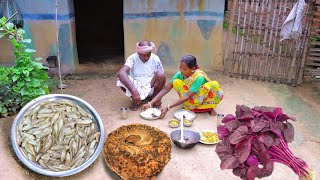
(133, 107)
(213, 112)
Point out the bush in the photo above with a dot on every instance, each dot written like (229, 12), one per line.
(24, 81)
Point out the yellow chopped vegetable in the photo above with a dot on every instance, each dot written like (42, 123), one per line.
(187, 122)
(209, 137)
(174, 122)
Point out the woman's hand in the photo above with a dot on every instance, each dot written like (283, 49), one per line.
(145, 106)
(164, 111)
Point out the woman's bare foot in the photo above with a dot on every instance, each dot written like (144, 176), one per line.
(213, 112)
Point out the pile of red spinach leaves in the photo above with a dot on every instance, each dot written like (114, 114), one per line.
(253, 139)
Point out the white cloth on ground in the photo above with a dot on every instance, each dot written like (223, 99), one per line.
(292, 26)
(141, 74)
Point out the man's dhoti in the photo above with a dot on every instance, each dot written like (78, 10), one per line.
(143, 87)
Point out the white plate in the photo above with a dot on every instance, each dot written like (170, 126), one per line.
(207, 130)
(151, 114)
(188, 115)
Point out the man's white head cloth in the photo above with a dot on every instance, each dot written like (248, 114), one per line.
(145, 49)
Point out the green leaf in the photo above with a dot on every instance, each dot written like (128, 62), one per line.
(15, 77)
(34, 83)
(26, 72)
(9, 25)
(25, 91)
(27, 79)
(38, 59)
(27, 40)
(4, 110)
(30, 50)
(3, 19)
(1, 35)
(21, 31)
(20, 84)
(16, 89)
(39, 91)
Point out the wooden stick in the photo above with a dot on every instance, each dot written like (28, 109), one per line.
(240, 64)
(252, 63)
(307, 39)
(236, 41)
(247, 56)
(276, 38)
(10, 17)
(256, 69)
(265, 39)
(230, 26)
(289, 57)
(58, 51)
(284, 60)
(293, 61)
(269, 44)
(278, 74)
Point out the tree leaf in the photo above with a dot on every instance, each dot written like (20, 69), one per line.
(21, 31)
(15, 77)
(26, 72)
(25, 91)
(39, 91)
(34, 83)
(27, 40)
(9, 26)
(4, 110)
(20, 84)
(30, 50)
(1, 35)
(3, 19)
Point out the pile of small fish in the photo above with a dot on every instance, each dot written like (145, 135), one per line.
(58, 135)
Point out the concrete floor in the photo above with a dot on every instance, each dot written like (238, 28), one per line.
(200, 162)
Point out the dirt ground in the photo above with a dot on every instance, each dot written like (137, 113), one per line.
(200, 162)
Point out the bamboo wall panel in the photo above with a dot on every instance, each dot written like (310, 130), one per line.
(257, 52)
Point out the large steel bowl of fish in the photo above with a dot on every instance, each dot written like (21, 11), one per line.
(57, 135)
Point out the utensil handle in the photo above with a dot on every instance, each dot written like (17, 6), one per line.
(181, 131)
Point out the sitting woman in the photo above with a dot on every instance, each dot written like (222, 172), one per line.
(196, 91)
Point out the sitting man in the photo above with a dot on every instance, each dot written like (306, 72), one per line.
(142, 75)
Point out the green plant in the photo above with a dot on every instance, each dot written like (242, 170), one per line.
(24, 81)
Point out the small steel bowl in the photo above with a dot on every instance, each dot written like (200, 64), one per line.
(37, 168)
(191, 138)
(187, 122)
(174, 125)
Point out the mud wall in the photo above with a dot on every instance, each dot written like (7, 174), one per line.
(39, 24)
(177, 28)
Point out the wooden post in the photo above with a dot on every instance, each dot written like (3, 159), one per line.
(236, 40)
(258, 54)
(241, 55)
(230, 27)
(246, 64)
(267, 74)
(277, 73)
(307, 40)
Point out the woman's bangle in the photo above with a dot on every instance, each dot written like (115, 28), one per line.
(150, 104)
(168, 107)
